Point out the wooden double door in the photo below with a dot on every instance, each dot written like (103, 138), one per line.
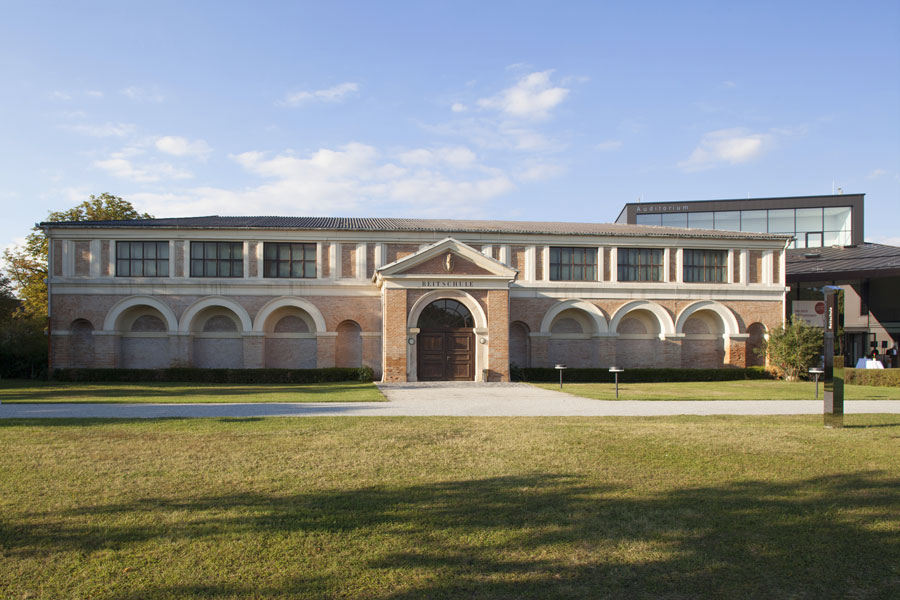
(446, 356)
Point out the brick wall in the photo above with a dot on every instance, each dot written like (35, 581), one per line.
(104, 257)
(252, 262)
(755, 263)
(395, 335)
(517, 259)
(348, 261)
(395, 252)
(57, 257)
(326, 261)
(498, 335)
(370, 260)
(82, 249)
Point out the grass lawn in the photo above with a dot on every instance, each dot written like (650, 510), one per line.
(402, 508)
(720, 390)
(19, 391)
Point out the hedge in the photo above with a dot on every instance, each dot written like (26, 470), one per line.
(548, 375)
(196, 375)
(879, 377)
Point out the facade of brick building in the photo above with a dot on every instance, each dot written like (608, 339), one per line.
(413, 299)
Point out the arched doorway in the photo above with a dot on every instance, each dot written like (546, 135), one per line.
(446, 342)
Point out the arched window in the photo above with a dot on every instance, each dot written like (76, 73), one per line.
(446, 314)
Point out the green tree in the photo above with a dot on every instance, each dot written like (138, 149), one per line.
(9, 304)
(27, 265)
(23, 344)
(794, 347)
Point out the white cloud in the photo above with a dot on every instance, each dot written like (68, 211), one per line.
(332, 94)
(456, 156)
(609, 145)
(877, 173)
(58, 95)
(540, 172)
(119, 164)
(458, 107)
(180, 146)
(729, 84)
(489, 133)
(726, 146)
(93, 93)
(140, 94)
(108, 129)
(351, 179)
(533, 97)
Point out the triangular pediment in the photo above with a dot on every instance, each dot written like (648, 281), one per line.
(448, 258)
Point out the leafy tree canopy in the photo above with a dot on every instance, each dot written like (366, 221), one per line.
(27, 265)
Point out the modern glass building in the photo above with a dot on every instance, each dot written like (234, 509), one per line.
(828, 248)
(814, 221)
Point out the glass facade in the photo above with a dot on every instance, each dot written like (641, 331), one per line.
(812, 227)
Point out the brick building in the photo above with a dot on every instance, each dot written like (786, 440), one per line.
(415, 299)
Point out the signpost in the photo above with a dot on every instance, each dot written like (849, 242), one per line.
(834, 362)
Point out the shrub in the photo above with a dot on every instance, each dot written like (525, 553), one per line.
(197, 375)
(794, 348)
(600, 375)
(879, 377)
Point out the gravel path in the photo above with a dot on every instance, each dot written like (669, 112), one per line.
(450, 399)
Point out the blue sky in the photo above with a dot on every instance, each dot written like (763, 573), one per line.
(516, 110)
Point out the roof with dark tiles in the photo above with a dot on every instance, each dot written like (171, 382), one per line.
(413, 225)
(843, 263)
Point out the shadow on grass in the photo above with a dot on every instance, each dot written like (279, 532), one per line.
(62, 392)
(540, 536)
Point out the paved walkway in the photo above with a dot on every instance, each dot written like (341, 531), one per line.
(450, 399)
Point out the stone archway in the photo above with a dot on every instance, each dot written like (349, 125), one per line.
(445, 342)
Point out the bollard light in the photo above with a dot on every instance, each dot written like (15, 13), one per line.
(616, 370)
(561, 368)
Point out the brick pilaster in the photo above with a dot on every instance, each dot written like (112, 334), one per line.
(498, 335)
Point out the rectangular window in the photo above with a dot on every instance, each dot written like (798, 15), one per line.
(142, 259)
(573, 264)
(781, 220)
(640, 264)
(648, 219)
(217, 259)
(289, 260)
(754, 221)
(674, 220)
(709, 266)
(729, 220)
(700, 220)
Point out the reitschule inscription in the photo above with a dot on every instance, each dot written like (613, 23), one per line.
(447, 284)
